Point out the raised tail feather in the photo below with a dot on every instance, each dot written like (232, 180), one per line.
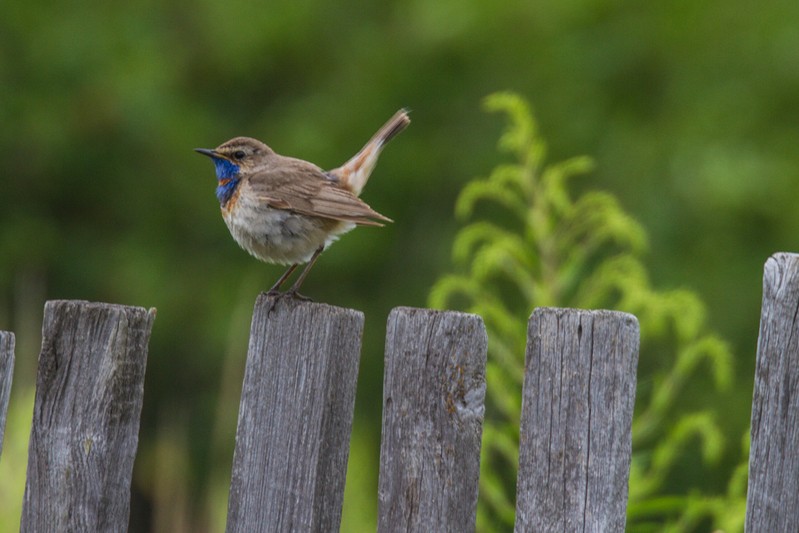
(355, 173)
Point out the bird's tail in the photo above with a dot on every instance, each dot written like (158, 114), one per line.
(355, 173)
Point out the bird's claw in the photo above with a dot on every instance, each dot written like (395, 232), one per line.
(273, 295)
(297, 296)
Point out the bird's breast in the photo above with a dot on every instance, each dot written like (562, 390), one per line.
(277, 235)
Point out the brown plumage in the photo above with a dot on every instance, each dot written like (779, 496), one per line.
(299, 186)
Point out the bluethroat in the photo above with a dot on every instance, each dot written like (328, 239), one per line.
(287, 211)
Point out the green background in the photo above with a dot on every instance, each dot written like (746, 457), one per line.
(689, 109)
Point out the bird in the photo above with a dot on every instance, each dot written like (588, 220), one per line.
(284, 210)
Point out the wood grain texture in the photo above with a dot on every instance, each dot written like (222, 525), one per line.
(577, 408)
(295, 418)
(433, 406)
(89, 391)
(773, 494)
(6, 374)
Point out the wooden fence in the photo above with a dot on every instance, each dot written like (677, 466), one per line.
(296, 411)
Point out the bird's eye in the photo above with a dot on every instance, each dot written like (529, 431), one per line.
(239, 154)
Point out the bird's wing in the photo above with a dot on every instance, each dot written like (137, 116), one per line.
(302, 187)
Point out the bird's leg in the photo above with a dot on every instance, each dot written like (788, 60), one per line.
(275, 290)
(294, 288)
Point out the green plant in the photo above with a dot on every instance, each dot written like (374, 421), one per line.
(535, 245)
(14, 460)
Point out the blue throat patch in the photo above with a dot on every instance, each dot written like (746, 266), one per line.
(227, 173)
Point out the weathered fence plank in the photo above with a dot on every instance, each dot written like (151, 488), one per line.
(6, 373)
(83, 441)
(577, 408)
(295, 418)
(773, 494)
(433, 405)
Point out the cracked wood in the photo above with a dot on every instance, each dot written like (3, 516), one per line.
(577, 408)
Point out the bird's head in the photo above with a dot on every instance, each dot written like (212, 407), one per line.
(240, 154)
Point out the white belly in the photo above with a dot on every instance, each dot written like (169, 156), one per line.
(277, 236)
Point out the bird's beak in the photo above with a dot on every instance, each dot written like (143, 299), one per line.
(206, 151)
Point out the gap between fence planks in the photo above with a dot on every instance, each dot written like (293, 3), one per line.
(773, 493)
(577, 409)
(6, 373)
(433, 406)
(84, 436)
(295, 417)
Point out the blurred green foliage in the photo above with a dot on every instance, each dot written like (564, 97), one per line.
(552, 250)
(688, 109)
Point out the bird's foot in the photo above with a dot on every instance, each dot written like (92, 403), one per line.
(297, 296)
(273, 295)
